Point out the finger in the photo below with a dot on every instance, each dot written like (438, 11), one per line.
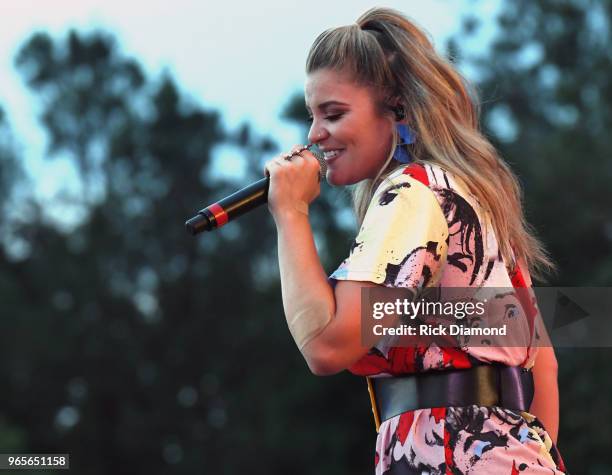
(296, 160)
(305, 152)
(295, 151)
(312, 160)
(271, 165)
(307, 165)
(278, 164)
(309, 155)
(282, 161)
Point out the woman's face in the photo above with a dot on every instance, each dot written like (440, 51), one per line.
(347, 127)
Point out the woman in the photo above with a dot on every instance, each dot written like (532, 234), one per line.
(437, 208)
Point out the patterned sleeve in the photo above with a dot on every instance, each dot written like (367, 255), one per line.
(403, 239)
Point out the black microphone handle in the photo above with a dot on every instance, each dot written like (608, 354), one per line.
(236, 204)
(230, 207)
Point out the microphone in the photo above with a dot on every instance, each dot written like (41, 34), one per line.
(235, 205)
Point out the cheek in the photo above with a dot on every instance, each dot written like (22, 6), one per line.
(377, 149)
(370, 145)
(374, 135)
(344, 133)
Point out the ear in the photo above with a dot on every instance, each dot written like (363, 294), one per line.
(399, 111)
(394, 104)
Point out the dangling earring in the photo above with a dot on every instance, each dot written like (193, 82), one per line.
(405, 136)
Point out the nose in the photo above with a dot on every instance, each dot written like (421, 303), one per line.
(317, 133)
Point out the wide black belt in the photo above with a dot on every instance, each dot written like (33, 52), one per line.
(509, 387)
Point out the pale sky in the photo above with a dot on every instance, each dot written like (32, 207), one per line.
(244, 59)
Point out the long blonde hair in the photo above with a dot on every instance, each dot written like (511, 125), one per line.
(387, 52)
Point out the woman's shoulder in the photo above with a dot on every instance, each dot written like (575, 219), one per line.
(441, 181)
(407, 182)
(430, 175)
(403, 195)
(403, 175)
(425, 186)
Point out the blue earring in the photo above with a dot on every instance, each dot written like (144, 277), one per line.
(405, 137)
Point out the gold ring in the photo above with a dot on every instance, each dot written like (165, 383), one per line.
(289, 156)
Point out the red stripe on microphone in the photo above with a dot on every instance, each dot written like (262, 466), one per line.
(219, 213)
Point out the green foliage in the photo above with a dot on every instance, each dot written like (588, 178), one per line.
(10, 171)
(139, 349)
(128, 343)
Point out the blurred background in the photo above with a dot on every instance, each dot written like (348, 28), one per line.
(140, 349)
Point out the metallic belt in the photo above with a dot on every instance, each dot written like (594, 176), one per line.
(509, 387)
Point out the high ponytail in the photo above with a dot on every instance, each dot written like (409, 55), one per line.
(387, 52)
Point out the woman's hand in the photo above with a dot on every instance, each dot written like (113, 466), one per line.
(294, 183)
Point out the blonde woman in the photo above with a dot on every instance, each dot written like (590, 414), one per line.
(438, 208)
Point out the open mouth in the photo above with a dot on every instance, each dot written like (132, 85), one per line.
(332, 155)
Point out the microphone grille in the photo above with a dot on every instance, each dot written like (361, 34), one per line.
(322, 163)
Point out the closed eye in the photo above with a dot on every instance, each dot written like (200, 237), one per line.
(331, 118)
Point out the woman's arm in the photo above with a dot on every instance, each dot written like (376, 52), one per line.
(545, 405)
(307, 294)
(325, 322)
(404, 228)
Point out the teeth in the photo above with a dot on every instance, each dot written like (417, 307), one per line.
(331, 153)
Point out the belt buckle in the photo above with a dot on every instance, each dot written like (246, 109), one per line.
(375, 412)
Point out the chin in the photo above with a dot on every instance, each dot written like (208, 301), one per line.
(337, 179)
(334, 179)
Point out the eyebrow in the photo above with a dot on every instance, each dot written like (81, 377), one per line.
(327, 104)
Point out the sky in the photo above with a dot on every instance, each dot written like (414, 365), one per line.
(245, 59)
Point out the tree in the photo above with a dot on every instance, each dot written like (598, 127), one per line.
(155, 352)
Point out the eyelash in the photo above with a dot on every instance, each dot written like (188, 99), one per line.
(331, 118)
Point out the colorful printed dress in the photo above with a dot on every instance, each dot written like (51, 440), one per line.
(424, 228)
